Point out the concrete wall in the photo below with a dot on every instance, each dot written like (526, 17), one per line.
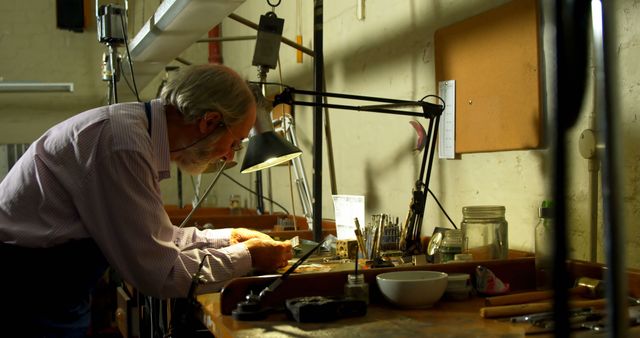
(388, 54)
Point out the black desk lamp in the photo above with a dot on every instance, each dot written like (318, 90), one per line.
(266, 147)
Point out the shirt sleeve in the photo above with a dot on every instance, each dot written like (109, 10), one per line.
(191, 236)
(121, 207)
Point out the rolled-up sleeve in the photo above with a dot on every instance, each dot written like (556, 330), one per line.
(214, 238)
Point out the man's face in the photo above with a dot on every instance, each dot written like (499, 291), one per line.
(222, 143)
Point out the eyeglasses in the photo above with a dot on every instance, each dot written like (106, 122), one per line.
(237, 142)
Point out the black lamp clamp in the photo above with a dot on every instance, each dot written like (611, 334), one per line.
(410, 242)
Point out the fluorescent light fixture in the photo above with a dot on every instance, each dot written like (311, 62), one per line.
(28, 87)
(176, 25)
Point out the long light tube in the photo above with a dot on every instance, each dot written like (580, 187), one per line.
(26, 87)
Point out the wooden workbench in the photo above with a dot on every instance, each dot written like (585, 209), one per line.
(381, 320)
(247, 218)
(447, 318)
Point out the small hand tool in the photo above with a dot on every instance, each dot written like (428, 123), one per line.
(584, 286)
(360, 238)
(252, 308)
(529, 318)
(522, 309)
(527, 297)
(324, 309)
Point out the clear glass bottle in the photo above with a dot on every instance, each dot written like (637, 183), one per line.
(485, 232)
(234, 204)
(450, 246)
(544, 245)
(356, 287)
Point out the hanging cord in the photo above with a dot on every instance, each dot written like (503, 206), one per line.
(182, 317)
(442, 209)
(126, 47)
(444, 104)
(255, 193)
(293, 205)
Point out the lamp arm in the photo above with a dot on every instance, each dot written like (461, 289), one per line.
(429, 110)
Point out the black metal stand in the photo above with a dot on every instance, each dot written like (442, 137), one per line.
(410, 243)
(318, 121)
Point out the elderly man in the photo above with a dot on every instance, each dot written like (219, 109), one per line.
(86, 195)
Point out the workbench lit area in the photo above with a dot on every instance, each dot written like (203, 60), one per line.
(449, 317)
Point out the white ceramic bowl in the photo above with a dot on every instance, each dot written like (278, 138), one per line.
(412, 289)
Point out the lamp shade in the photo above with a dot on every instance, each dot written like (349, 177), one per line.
(267, 149)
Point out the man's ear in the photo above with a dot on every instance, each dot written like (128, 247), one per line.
(209, 122)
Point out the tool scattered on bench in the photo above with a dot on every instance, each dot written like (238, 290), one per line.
(252, 308)
(528, 308)
(584, 287)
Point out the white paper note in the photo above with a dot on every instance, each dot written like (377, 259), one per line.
(347, 208)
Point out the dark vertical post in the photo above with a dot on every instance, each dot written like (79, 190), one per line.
(571, 48)
(318, 77)
(259, 194)
(605, 51)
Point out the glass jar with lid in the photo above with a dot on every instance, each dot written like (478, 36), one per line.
(450, 246)
(485, 232)
(356, 287)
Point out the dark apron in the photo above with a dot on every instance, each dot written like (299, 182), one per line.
(45, 292)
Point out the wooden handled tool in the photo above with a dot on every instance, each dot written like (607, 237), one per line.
(523, 309)
(584, 286)
(360, 238)
(529, 297)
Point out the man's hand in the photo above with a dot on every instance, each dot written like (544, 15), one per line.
(268, 255)
(239, 235)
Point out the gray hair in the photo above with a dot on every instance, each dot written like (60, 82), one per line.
(196, 90)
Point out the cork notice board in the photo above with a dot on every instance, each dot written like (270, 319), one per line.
(493, 57)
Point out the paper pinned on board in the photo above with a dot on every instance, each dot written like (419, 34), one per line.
(347, 208)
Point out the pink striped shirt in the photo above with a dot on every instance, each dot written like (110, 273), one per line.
(96, 175)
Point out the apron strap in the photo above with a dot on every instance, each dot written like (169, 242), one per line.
(147, 110)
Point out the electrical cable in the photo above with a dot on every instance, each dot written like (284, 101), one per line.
(442, 209)
(126, 80)
(183, 61)
(255, 193)
(293, 204)
(160, 87)
(221, 124)
(183, 315)
(444, 105)
(126, 47)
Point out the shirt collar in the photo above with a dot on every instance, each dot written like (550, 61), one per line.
(160, 138)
